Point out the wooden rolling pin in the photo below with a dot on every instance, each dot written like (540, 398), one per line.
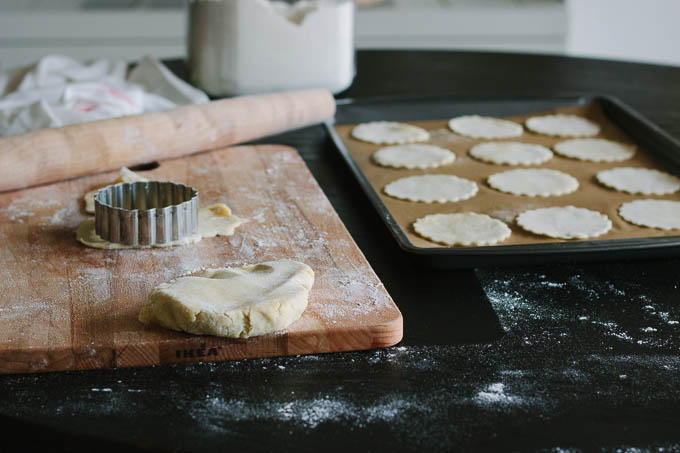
(82, 149)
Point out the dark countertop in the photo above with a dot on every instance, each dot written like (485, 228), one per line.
(568, 356)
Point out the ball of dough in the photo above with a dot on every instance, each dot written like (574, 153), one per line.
(232, 302)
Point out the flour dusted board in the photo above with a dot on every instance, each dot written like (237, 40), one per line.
(65, 306)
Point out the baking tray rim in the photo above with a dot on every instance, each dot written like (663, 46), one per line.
(554, 248)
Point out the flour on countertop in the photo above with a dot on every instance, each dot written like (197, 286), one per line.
(542, 306)
(494, 394)
(423, 396)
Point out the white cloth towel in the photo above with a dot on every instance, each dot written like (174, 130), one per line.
(58, 91)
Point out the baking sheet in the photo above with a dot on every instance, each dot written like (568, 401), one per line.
(505, 207)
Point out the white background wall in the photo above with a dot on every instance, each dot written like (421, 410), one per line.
(640, 30)
(637, 30)
(30, 29)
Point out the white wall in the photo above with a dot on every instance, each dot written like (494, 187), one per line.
(637, 30)
(30, 29)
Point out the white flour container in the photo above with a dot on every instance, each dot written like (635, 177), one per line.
(254, 46)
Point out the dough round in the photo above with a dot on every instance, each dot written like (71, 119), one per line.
(594, 150)
(235, 302)
(662, 214)
(467, 228)
(214, 220)
(432, 188)
(568, 222)
(533, 182)
(476, 126)
(413, 156)
(562, 126)
(645, 181)
(389, 133)
(511, 153)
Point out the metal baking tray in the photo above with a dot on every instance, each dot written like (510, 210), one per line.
(646, 134)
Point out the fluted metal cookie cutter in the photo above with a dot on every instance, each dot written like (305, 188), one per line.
(146, 213)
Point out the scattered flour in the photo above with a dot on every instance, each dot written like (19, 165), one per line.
(494, 394)
(216, 412)
(541, 306)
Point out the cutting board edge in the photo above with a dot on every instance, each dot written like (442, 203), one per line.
(381, 335)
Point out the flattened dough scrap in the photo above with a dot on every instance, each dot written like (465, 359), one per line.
(432, 188)
(232, 302)
(662, 214)
(389, 133)
(414, 155)
(645, 181)
(476, 126)
(594, 150)
(511, 153)
(561, 125)
(214, 220)
(567, 222)
(126, 175)
(467, 228)
(533, 182)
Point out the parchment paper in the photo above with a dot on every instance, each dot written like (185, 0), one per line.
(506, 207)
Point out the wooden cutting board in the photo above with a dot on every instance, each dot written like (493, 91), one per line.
(65, 306)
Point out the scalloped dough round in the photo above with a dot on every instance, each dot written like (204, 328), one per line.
(213, 220)
(467, 228)
(413, 155)
(594, 150)
(511, 153)
(432, 188)
(389, 133)
(662, 214)
(533, 182)
(476, 126)
(562, 126)
(644, 181)
(567, 222)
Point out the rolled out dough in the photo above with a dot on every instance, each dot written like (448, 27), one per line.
(389, 133)
(467, 228)
(232, 302)
(432, 188)
(511, 153)
(567, 222)
(415, 155)
(662, 214)
(214, 220)
(533, 182)
(646, 181)
(561, 125)
(476, 126)
(594, 150)
(126, 175)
